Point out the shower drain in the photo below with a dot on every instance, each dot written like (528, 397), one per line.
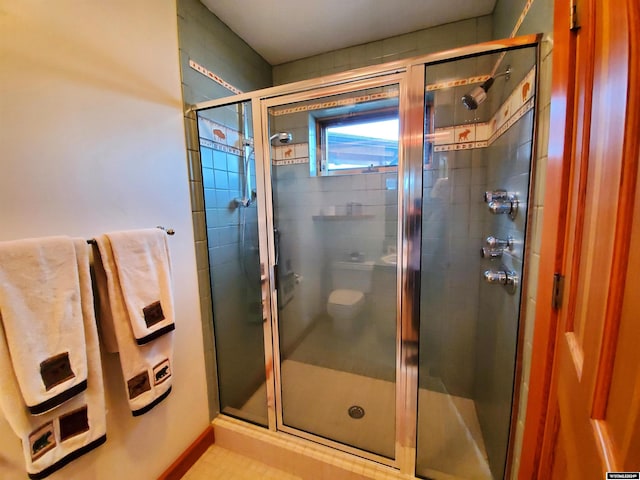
(356, 411)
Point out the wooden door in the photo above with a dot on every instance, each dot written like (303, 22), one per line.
(587, 347)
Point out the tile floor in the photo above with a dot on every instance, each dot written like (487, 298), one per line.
(218, 463)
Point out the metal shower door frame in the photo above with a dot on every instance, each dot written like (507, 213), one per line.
(380, 81)
(274, 353)
(410, 75)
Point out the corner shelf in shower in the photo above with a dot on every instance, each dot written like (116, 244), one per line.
(328, 218)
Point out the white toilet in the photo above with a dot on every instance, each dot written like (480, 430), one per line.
(350, 282)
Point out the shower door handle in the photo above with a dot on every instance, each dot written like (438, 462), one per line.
(276, 243)
(264, 287)
(276, 246)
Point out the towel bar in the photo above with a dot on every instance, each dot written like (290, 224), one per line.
(169, 231)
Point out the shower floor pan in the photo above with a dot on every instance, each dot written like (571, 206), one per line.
(450, 441)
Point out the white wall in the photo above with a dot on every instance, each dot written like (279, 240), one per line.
(92, 140)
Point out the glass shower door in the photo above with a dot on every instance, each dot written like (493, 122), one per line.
(334, 181)
(469, 319)
(231, 212)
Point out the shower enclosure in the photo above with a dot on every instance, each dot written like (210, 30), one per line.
(367, 253)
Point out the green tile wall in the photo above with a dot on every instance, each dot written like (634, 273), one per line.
(421, 42)
(206, 40)
(209, 42)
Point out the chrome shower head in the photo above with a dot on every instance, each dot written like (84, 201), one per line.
(476, 96)
(479, 94)
(280, 138)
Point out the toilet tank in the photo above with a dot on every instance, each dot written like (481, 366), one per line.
(352, 276)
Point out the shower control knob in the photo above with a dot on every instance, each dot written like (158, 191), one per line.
(489, 252)
(507, 278)
(499, 242)
(508, 207)
(498, 207)
(496, 277)
(495, 195)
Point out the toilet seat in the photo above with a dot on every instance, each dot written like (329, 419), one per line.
(346, 297)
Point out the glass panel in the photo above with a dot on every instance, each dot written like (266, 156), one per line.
(335, 239)
(469, 328)
(228, 177)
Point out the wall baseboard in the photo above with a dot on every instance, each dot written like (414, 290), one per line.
(185, 461)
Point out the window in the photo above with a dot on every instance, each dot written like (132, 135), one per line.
(365, 141)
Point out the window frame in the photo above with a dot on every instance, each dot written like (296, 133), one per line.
(323, 122)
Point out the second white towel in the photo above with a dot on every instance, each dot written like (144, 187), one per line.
(136, 312)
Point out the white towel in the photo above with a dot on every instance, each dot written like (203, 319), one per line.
(142, 261)
(42, 320)
(147, 367)
(53, 439)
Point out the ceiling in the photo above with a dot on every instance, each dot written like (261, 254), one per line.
(286, 30)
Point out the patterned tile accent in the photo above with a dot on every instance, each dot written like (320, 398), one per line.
(291, 154)
(217, 136)
(519, 102)
(216, 78)
(479, 135)
(461, 137)
(455, 137)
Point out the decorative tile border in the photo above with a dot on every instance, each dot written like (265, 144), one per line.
(514, 32)
(293, 161)
(333, 103)
(513, 119)
(216, 78)
(518, 24)
(220, 147)
(456, 83)
(480, 135)
(455, 137)
(376, 96)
